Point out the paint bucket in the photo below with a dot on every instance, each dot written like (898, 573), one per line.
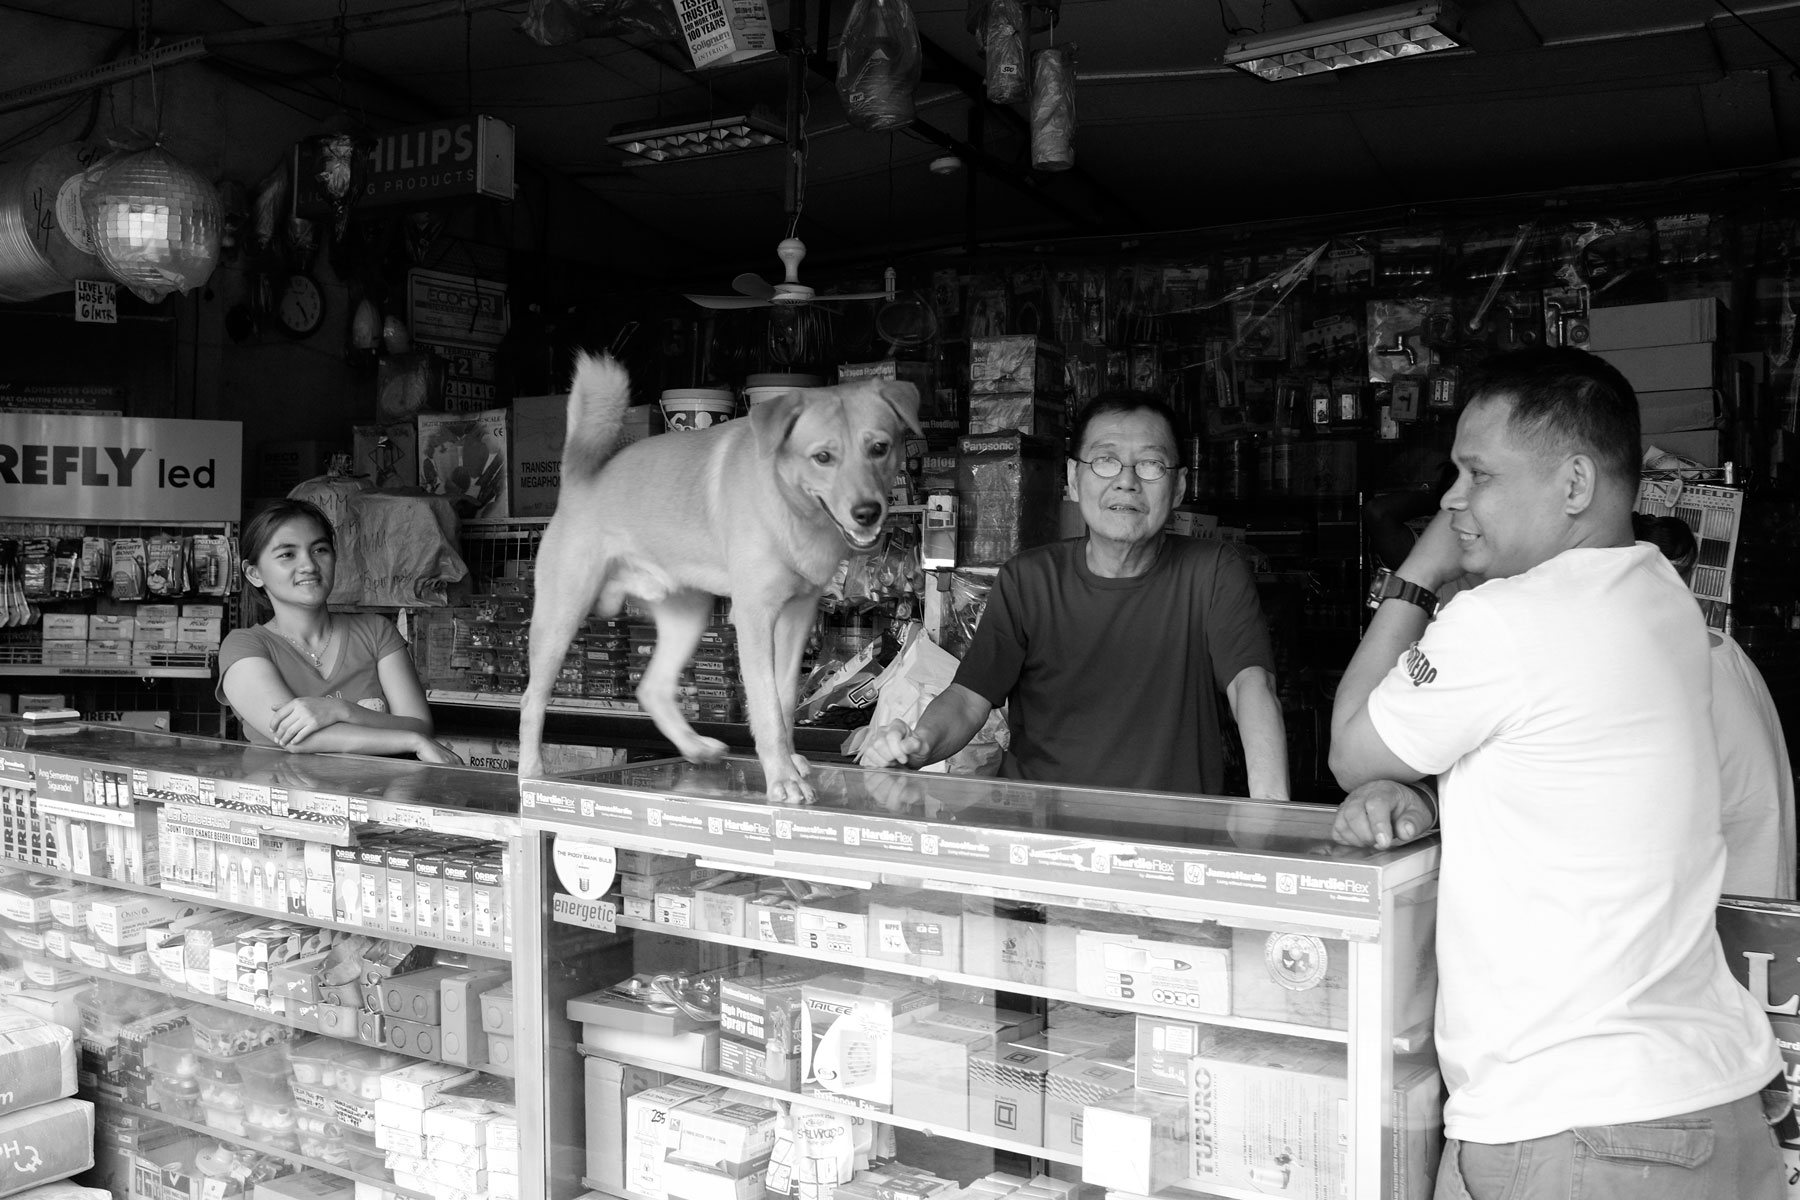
(758, 388)
(697, 408)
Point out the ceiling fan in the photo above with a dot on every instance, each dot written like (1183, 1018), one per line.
(756, 292)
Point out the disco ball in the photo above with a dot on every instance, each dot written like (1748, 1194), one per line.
(156, 223)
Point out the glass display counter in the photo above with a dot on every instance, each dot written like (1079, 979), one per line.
(933, 987)
(277, 963)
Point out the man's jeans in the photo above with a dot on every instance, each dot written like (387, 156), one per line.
(1728, 1152)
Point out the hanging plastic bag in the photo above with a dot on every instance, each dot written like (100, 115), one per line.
(878, 65)
(1005, 43)
(1053, 108)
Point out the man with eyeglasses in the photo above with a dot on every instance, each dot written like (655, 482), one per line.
(1110, 650)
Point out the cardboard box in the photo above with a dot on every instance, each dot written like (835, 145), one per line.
(1701, 445)
(1026, 412)
(916, 930)
(63, 627)
(1270, 1112)
(108, 627)
(1070, 1088)
(199, 629)
(1003, 941)
(1165, 1051)
(1173, 975)
(282, 466)
(1136, 1142)
(608, 1085)
(1290, 977)
(647, 1119)
(464, 458)
(1006, 1093)
(1672, 411)
(1015, 363)
(310, 1184)
(931, 1070)
(733, 1131)
(833, 927)
(37, 1059)
(539, 424)
(1009, 488)
(65, 653)
(387, 454)
(1666, 367)
(1672, 323)
(847, 1029)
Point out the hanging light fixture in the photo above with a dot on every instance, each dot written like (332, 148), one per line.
(692, 137)
(1319, 47)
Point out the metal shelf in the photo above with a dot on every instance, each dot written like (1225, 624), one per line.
(935, 975)
(162, 986)
(176, 890)
(41, 671)
(293, 1156)
(829, 1105)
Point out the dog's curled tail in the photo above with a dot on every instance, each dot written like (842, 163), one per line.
(597, 402)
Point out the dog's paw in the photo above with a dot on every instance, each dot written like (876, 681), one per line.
(790, 791)
(704, 750)
(801, 764)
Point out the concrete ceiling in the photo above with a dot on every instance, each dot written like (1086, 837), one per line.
(1549, 94)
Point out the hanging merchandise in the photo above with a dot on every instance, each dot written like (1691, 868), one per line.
(156, 223)
(1005, 45)
(1053, 108)
(337, 162)
(879, 64)
(43, 241)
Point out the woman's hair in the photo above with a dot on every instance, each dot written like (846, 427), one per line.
(259, 531)
(1672, 536)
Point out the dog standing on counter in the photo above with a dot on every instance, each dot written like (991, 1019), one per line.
(761, 509)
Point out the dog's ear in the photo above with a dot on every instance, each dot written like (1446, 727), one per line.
(773, 420)
(903, 397)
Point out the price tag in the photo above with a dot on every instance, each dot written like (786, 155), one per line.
(359, 810)
(96, 303)
(585, 868)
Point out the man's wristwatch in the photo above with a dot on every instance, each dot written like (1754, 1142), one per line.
(1388, 586)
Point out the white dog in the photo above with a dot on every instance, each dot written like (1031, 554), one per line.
(761, 510)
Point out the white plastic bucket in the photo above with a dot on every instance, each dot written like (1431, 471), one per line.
(758, 388)
(697, 408)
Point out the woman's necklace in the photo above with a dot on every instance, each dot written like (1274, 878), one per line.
(318, 660)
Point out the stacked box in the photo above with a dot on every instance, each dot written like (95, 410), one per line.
(1006, 1093)
(1009, 488)
(1290, 977)
(847, 1029)
(1270, 1112)
(1136, 1142)
(1017, 382)
(1070, 1088)
(760, 1028)
(931, 1069)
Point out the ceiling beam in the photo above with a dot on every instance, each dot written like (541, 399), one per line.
(947, 67)
(1008, 173)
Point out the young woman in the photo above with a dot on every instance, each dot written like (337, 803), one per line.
(309, 679)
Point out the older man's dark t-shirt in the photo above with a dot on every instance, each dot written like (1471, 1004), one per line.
(1116, 682)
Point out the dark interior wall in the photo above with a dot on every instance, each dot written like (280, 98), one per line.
(177, 358)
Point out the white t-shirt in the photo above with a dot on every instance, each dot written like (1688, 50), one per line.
(1756, 783)
(1581, 981)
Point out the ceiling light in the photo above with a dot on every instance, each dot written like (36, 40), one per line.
(1318, 47)
(672, 140)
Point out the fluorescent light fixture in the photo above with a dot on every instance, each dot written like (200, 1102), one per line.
(673, 140)
(1403, 31)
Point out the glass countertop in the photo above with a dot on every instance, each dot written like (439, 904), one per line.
(1163, 818)
(398, 780)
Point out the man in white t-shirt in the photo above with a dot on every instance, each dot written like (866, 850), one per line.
(1592, 1038)
(1756, 784)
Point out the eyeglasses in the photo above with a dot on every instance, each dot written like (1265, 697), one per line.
(1107, 467)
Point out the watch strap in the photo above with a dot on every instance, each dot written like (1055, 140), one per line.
(1389, 586)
